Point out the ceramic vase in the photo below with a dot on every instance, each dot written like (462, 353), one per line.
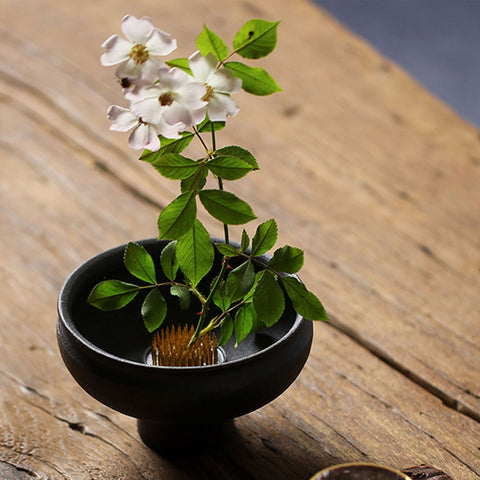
(107, 354)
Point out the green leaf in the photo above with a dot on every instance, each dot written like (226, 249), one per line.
(168, 145)
(227, 330)
(196, 182)
(304, 302)
(229, 168)
(210, 42)
(287, 259)
(195, 253)
(240, 281)
(256, 39)
(249, 296)
(175, 166)
(139, 263)
(220, 297)
(226, 207)
(181, 63)
(206, 126)
(154, 310)
(183, 293)
(255, 80)
(265, 237)
(245, 241)
(258, 325)
(177, 217)
(226, 250)
(112, 294)
(268, 299)
(244, 322)
(168, 260)
(239, 152)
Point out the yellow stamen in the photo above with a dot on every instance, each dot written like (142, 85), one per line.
(209, 93)
(139, 53)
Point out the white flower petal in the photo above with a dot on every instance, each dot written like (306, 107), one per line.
(143, 91)
(160, 43)
(144, 136)
(174, 78)
(129, 69)
(191, 94)
(122, 118)
(118, 50)
(143, 74)
(202, 67)
(170, 131)
(136, 30)
(198, 116)
(151, 68)
(149, 109)
(220, 106)
(223, 81)
(178, 113)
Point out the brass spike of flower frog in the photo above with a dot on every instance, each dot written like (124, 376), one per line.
(170, 347)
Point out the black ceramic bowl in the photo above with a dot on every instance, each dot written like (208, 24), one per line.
(106, 354)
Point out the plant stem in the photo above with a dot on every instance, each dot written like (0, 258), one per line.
(217, 321)
(197, 133)
(199, 328)
(206, 306)
(220, 185)
(225, 226)
(199, 296)
(214, 142)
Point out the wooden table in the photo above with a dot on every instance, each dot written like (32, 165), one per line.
(360, 165)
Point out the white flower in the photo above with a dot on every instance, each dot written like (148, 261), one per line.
(143, 134)
(219, 83)
(135, 56)
(172, 105)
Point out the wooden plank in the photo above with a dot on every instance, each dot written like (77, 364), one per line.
(384, 203)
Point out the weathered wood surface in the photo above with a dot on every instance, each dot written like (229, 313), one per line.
(376, 179)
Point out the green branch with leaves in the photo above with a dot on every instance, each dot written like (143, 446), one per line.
(192, 99)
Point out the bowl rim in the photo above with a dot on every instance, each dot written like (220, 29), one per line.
(404, 476)
(65, 319)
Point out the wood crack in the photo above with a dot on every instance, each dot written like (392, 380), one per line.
(82, 429)
(73, 425)
(29, 471)
(105, 418)
(446, 399)
(411, 422)
(18, 471)
(340, 435)
(370, 289)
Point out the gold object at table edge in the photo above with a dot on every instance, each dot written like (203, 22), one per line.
(360, 464)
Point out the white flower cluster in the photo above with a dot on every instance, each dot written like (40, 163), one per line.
(164, 101)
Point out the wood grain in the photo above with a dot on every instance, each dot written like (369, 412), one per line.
(361, 166)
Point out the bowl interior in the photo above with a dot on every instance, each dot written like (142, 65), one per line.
(121, 333)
